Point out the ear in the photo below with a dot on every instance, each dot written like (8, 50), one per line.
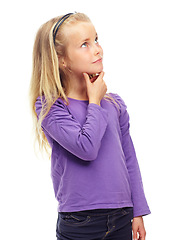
(62, 62)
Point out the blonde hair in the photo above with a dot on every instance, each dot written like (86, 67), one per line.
(49, 81)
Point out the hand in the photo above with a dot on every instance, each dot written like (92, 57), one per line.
(97, 89)
(138, 227)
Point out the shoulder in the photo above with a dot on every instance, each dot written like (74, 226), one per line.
(41, 103)
(118, 101)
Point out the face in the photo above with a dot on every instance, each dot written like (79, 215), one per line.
(84, 54)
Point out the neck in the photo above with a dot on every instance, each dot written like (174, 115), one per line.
(77, 88)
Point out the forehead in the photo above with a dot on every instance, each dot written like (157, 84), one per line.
(79, 31)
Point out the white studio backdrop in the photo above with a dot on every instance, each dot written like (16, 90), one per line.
(142, 63)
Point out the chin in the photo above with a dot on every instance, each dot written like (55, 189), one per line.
(97, 70)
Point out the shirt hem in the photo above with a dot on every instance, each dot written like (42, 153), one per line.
(94, 206)
(141, 213)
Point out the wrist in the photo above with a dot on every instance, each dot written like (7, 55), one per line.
(94, 101)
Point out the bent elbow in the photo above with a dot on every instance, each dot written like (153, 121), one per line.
(89, 156)
(88, 151)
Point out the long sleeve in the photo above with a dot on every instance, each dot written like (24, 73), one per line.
(138, 196)
(82, 141)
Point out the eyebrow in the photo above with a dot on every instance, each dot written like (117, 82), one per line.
(87, 39)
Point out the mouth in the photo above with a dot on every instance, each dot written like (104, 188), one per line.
(98, 60)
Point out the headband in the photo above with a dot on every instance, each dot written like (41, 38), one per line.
(58, 24)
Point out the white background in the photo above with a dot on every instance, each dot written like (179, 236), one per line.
(142, 42)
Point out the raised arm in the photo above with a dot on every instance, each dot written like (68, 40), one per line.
(82, 141)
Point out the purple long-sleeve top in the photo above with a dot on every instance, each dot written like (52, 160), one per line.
(93, 162)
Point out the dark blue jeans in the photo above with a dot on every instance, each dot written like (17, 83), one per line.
(113, 224)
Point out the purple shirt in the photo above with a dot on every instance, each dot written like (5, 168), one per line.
(93, 162)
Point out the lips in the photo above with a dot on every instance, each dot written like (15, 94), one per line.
(98, 60)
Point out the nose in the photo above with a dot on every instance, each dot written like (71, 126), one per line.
(97, 50)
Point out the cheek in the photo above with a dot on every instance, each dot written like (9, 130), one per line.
(77, 58)
(101, 51)
(78, 64)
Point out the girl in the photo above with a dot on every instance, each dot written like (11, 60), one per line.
(94, 168)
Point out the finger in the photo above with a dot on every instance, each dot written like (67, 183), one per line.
(87, 79)
(101, 75)
(135, 230)
(141, 238)
(142, 235)
(135, 235)
(86, 76)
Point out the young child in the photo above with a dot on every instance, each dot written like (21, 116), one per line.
(94, 168)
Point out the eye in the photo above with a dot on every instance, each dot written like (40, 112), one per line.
(84, 45)
(96, 40)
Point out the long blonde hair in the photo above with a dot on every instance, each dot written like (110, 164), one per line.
(49, 81)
